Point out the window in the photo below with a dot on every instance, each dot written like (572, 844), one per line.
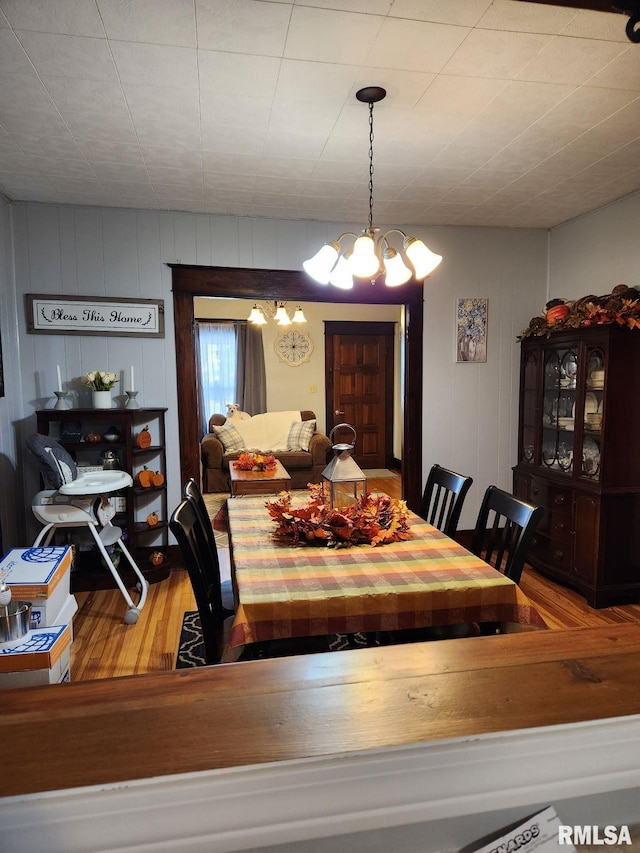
(218, 345)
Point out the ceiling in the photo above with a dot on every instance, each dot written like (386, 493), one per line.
(498, 112)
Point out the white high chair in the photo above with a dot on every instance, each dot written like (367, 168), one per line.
(82, 500)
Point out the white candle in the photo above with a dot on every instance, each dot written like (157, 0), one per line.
(133, 384)
(59, 377)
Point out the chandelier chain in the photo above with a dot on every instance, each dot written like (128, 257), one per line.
(370, 165)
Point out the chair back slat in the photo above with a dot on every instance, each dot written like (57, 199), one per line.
(504, 531)
(443, 497)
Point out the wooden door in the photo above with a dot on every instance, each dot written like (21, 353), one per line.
(359, 383)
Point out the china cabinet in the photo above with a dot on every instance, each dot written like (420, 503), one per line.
(578, 458)
(108, 438)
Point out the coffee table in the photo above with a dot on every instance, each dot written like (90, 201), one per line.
(259, 482)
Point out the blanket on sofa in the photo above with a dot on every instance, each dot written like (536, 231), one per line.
(269, 431)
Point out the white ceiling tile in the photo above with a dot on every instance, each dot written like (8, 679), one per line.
(61, 147)
(238, 74)
(464, 155)
(239, 111)
(285, 185)
(285, 166)
(173, 190)
(73, 17)
(591, 104)
(241, 26)
(414, 45)
(185, 177)
(231, 140)
(491, 53)
(493, 179)
(16, 161)
(370, 7)
(128, 189)
(172, 157)
(527, 100)
(239, 164)
(564, 60)
(68, 93)
(68, 56)
(23, 92)
(312, 117)
(326, 170)
(4, 23)
(100, 125)
(157, 103)
(526, 17)
(120, 172)
(11, 181)
(178, 134)
(219, 181)
(466, 95)
(438, 176)
(331, 36)
(587, 24)
(328, 189)
(622, 73)
(60, 167)
(152, 21)
(291, 144)
(465, 13)
(155, 65)
(66, 184)
(13, 58)
(34, 123)
(108, 151)
(319, 83)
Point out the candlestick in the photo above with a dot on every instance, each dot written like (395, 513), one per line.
(133, 384)
(61, 402)
(59, 377)
(132, 403)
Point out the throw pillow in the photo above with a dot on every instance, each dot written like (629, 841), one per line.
(231, 439)
(300, 435)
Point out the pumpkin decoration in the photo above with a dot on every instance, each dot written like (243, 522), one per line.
(156, 558)
(157, 479)
(93, 437)
(143, 439)
(144, 478)
(152, 519)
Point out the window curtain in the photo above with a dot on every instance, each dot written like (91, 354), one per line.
(251, 387)
(216, 353)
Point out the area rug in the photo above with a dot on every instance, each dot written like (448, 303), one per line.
(190, 647)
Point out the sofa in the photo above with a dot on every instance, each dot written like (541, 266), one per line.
(221, 446)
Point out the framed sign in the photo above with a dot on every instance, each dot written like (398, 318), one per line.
(471, 329)
(94, 315)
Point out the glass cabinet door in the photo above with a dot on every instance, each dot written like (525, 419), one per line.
(593, 413)
(528, 419)
(558, 409)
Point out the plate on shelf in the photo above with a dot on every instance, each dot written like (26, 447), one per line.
(590, 404)
(590, 456)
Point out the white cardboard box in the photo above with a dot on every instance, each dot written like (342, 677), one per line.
(42, 656)
(63, 617)
(40, 575)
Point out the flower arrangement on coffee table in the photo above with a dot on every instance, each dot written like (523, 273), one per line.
(373, 520)
(255, 462)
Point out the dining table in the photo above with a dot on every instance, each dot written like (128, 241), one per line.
(427, 580)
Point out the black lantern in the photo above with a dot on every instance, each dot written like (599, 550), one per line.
(343, 481)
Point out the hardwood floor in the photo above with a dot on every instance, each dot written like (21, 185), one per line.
(104, 646)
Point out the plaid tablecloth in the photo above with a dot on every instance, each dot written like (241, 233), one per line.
(428, 580)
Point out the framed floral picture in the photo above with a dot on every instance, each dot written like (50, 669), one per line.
(471, 329)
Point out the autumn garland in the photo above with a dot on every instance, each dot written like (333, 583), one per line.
(619, 308)
(373, 520)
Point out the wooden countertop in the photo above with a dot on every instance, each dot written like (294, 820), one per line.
(101, 732)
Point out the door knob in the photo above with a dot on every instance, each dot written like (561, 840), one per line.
(338, 413)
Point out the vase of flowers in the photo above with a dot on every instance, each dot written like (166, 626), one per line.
(100, 382)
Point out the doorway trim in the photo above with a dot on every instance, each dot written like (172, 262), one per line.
(191, 280)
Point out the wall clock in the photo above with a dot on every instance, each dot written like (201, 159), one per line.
(293, 347)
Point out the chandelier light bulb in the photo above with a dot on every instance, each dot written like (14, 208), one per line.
(396, 271)
(424, 261)
(281, 315)
(320, 265)
(341, 275)
(256, 316)
(364, 262)
(298, 316)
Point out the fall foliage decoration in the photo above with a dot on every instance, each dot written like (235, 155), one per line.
(621, 307)
(373, 520)
(143, 439)
(255, 462)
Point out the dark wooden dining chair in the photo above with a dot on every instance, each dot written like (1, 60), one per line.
(503, 535)
(185, 524)
(443, 497)
(192, 492)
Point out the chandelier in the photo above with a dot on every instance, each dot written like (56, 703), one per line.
(370, 256)
(276, 311)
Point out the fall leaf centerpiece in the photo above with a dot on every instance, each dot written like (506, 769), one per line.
(373, 520)
(255, 462)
